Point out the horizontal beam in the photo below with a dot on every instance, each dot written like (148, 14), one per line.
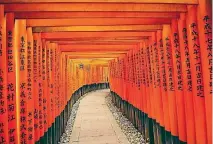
(69, 46)
(133, 40)
(101, 63)
(92, 59)
(96, 53)
(60, 15)
(95, 38)
(119, 7)
(104, 1)
(114, 38)
(125, 40)
(97, 21)
(94, 56)
(94, 50)
(92, 35)
(95, 47)
(98, 28)
(96, 43)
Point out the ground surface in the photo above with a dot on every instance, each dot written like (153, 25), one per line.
(94, 123)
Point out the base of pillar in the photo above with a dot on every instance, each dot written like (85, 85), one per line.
(151, 130)
(53, 135)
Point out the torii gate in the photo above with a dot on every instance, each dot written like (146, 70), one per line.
(163, 45)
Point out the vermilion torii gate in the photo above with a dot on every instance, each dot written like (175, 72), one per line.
(157, 56)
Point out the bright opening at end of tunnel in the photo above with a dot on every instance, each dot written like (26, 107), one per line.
(154, 56)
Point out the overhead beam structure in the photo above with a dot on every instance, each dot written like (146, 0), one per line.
(98, 7)
(152, 52)
(104, 1)
(96, 25)
(97, 21)
(75, 47)
(82, 14)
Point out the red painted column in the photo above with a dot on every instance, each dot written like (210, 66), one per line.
(170, 79)
(155, 77)
(178, 80)
(40, 88)
(148, 101)
(49, 85)
(164, 90)
(197, 75)
(36, 37)
(44, 84)
(204, 17)
(158, 77)
(11, 80)
(187, 80)
(143, 79)
(52, 81)
(30, 87)
(3, 80)
(21, 80)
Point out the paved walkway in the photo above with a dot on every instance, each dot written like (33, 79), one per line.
(94, 123)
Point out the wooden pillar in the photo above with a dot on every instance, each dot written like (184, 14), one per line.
(146, 79)
(170, 79)
(3, 80)
(153, 46)
(40, 89)
(30, 87)
(49, 93)
(35, 85)
(159, 77)
(197, 75)
(49, 85)
(163, 75)
(44, 85)
(52, 80)
(143, 79)
(154, 97)
(187, 80)
(149, 80)
(11, 80)
(204, 16)
(57, 57)
(178, 80)
(21, 79)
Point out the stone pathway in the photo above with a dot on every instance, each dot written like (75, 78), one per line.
(94, 123)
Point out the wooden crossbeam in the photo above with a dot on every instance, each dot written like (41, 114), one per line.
(113, 40)
(98, 28)
(95, 47)
(102, 63)
(93, 38)
(92, 35)
(95, 56)
(119, 7)
(61, 15)
(92, 59)
(97, 42)
(96, 53)
(97, 22)
(94, 50)
(104, 1)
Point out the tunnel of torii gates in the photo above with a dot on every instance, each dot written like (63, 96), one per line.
(154, 55)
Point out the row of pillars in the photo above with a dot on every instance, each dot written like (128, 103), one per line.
(168, 80)
(38, 84)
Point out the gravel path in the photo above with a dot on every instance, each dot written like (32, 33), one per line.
(132, 134)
